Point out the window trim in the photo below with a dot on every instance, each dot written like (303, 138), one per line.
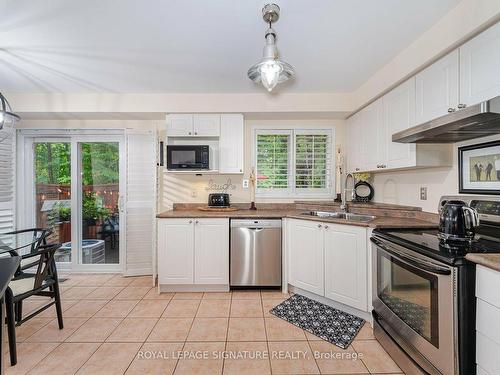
(292, 192)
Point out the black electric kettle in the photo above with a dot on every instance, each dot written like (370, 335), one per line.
(457, 221)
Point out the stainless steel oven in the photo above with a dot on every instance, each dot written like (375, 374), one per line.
(415, 303)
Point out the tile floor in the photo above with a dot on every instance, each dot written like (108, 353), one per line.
(117, 325)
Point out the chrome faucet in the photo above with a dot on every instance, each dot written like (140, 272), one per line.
(343, 206)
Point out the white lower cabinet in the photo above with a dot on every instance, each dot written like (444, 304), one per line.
(306, 253)
(175, 251)
(345, 265)
(211, 250)
(329, 260)
(487, 321)
(193, 251)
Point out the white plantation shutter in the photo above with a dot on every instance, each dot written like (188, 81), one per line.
(140, 202)
(294, 163)
(7, 180)
(272, 161)
(313, 162)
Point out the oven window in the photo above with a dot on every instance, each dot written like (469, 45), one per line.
(411, 294)
(183, 157)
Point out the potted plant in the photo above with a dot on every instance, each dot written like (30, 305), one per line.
(92, 214)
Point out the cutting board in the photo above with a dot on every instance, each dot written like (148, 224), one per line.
(217, 209)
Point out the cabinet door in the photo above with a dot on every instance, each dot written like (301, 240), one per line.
(211, 251)
(373, 137)
(480, 67)
(231, 144)
(399, 112)
(306, 255)
(345, 265)
(175, 251)
(354, 143)
(437, 89)
(206, 125)
(179, 125)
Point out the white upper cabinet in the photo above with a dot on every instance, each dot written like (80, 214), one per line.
(211, 251)
(353, 162)
(346, 265)
(437, 89)
(373, 153)
(179, 125)
(189, 125)
(231, 145)
(306, 256)
(206, 125)
(480, 67)
(399, 112)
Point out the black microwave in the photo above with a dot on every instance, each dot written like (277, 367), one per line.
(182, 157)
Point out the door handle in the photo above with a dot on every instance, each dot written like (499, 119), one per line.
(412, 261)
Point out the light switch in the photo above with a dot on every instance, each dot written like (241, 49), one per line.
(423, 193)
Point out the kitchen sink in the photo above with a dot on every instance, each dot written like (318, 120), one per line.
(340, 215)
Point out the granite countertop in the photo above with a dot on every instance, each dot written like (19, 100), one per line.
(488, 260)
(379, 222)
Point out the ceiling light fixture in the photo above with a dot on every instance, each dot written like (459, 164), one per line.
(270, 70)
(7, 117)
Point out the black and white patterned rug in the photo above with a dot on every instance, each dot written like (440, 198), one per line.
(328, 323)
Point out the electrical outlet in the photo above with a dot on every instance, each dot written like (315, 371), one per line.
(245, 184)
(423, 193)
(194, 194)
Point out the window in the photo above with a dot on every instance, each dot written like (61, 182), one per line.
(294, 163)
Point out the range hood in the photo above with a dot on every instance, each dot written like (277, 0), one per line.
(476, 121)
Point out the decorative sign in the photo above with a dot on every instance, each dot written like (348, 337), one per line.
(214, 186)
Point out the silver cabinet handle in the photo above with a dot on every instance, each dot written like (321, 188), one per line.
(319, 225)
(326, 226)
(195, 133)
(383, 166)
(196, 222)
(462, 106)
(241, 170)
(189, 133)
(356, 169)
(450, 110)
(190, 221)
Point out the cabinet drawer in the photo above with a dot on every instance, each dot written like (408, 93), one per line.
(487, 285)
(487, 354)
(488, 320)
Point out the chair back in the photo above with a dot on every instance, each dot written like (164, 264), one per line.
(46, 267)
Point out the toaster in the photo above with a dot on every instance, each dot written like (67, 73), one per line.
(218, 200)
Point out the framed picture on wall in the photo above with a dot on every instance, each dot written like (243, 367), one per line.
(479, 168)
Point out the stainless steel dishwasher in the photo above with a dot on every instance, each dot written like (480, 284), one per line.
(255, 253)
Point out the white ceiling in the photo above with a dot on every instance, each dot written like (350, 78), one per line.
(200, 46)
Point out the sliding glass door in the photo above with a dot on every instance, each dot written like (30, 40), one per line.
(99, 203)
(52, 169)
(76, 189)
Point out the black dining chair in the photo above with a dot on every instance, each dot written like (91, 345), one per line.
(43, 282)
(39, 238)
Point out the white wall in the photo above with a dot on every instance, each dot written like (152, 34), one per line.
(404, 187)
(176, 188)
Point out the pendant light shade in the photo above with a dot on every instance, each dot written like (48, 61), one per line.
(270, 70)
(7, 117)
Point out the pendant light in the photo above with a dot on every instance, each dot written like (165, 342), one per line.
(7, 117)
(270, 70)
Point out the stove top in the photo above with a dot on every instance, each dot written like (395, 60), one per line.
(426, 241)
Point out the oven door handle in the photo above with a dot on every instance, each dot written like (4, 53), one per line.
(415, 262)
